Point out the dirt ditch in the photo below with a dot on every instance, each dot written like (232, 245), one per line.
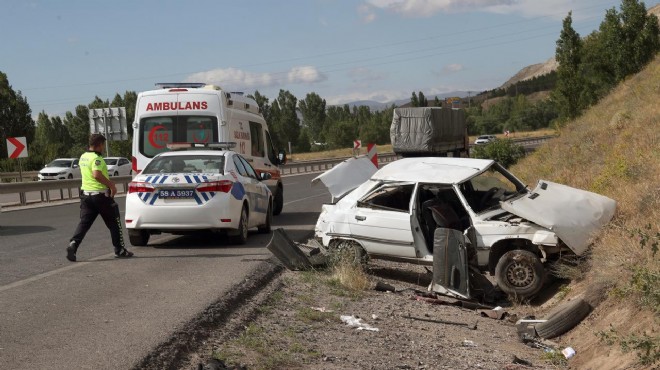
(294, 321)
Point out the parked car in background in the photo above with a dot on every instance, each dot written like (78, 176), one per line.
(183, 192)
(485, 139)
(118, 166)
(60, 169)
(514, 231)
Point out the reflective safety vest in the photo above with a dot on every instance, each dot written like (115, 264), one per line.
(92, 161)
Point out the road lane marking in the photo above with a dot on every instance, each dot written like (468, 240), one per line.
(301, 199)
(53, 272)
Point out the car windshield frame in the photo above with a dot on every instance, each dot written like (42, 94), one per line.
(192, 164)
(467, 188)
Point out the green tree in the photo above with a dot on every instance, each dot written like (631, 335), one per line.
(313, 113)
(15, 116)
(284, 120)
(413, 100)
(436, 102)
(422, 102)
(262, 101)
(505, 151)
(569, 81)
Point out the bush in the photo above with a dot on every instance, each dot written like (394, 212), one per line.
(506, 152)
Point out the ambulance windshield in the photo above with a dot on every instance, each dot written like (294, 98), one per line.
(156, 132)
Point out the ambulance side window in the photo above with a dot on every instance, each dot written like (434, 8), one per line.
(248, 167)
(257, 139)
(239, 166)
(272, 156)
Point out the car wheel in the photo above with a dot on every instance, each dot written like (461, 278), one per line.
(347, 251)
(115, 174)
(563, 319)
(279, 201)
(519, 273)
(138, 238)
(242, 236)
(265, 228)
(70, 176)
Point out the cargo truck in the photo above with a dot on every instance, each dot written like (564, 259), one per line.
(429, 132)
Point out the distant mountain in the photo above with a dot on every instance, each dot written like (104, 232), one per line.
(376, 106)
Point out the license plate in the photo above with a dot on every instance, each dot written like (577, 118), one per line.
(176, 193)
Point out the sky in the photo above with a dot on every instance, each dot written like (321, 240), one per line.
(60, 54)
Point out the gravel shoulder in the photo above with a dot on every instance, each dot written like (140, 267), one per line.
(294, 323)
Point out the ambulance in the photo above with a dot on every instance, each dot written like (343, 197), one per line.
(201, 113)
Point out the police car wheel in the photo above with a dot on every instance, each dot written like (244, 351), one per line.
(138, 238)
(242, 236)
(265, 228)
(279, 201)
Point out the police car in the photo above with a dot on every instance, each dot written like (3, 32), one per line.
(207, 187)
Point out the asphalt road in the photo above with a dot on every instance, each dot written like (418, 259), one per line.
(105, 313)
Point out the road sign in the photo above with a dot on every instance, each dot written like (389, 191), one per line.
(17, 147)
(372, 154)
(357, 144)
(111, 122)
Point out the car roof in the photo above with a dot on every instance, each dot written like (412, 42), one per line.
(115, 158)
(441, 170)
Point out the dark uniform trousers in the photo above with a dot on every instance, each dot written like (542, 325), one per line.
(100, 204)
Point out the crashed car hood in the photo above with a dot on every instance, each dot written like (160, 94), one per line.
(574, 215)
(346, 176)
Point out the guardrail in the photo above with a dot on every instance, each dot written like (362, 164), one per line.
(68, 189)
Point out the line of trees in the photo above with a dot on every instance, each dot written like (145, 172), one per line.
(589, 68)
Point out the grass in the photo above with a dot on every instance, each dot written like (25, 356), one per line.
(614, 149)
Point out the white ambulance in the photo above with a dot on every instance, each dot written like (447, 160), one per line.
(200, 113)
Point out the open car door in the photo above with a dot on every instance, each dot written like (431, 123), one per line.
(450, 263)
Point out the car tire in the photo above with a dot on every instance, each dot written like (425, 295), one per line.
(347, 251)
(265, 228)
(70, 176)
(279, 201)
(563, 319)
(115, 174)
(138, 238)
(242, 236)
(520, 274)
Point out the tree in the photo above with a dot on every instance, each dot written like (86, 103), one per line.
(15, 115)
(436, 102)
(284, 119)
(569, 81)
(413, 100)
(262, 101)
(422, 102)
(313, 113)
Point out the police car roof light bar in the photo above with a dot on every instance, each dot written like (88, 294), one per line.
(225, 145)
(169, 85)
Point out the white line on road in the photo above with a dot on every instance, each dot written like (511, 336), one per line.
(50, 273)
(313, 196)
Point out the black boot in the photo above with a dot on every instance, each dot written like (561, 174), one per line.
(71, 251)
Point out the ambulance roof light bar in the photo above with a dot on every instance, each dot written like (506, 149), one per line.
(217, 146)
(170, 85)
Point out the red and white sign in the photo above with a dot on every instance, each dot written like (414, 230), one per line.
(372, 154)
(17, 147)
(357, 144)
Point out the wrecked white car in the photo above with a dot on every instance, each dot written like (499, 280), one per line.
(515, 231)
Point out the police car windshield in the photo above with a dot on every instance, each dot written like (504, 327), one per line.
(186, 164)
(110, 162)
(59, 163)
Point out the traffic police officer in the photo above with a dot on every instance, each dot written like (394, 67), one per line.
(97, 198)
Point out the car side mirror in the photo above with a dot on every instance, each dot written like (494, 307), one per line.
(75, 166)
(281, 156)
(265, 176)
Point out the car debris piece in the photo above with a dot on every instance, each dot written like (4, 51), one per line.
(563, 318)
(494, 313)
(384, 287)
(568, 352)
(469, 326)
(287, 252)
(346, 176)
(468, 343)
(356, 322)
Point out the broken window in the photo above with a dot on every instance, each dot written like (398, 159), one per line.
(389, 197)
(491, 187)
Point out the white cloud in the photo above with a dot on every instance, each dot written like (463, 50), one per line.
(452, 68)
(363, 75)
(381, 96)
(366, 13)
(428, 8)
(236, 78)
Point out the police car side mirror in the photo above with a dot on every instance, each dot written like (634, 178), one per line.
(281, 156)
(265, 176)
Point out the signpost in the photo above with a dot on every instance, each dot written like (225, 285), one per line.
(357, 144)
(110, 122)
(17, 148)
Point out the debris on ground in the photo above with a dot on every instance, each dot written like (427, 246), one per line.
(356, 322)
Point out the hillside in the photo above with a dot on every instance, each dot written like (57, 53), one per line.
(532, 71)
(614, 149)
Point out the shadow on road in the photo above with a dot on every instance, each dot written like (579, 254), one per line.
(295, 218)
(21, 230)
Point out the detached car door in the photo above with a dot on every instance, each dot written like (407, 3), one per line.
(381, 220)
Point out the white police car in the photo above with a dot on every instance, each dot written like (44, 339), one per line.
(181, 192)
